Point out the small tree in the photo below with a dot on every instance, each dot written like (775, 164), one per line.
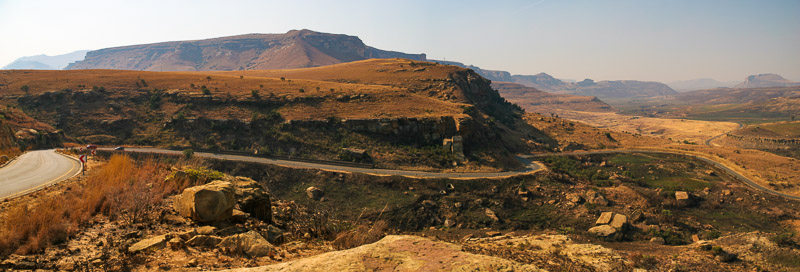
(206, 92)
(208, 79)
(25, 89)
(283, 79)
(255, 94)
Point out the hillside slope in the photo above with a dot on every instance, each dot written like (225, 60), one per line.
(533, 100)
(399, 111)
(45, 62)
(294, 49)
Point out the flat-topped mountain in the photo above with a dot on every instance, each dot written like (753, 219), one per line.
(765, 80)
(294, 49)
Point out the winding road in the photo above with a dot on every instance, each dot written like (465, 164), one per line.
(35, 170)
(532, 166)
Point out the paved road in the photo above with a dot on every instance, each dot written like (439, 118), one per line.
(35, 170)
(531, 167)
(708, 142)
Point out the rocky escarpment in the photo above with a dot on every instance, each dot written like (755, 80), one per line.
(295, 49)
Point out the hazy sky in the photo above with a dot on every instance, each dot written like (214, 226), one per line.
(636, 39)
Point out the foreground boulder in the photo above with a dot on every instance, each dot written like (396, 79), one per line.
(253, 198)
(249, 243)
(207, 203)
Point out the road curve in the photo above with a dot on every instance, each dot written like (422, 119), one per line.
(35, 170)
(531, 167)
(708, 142)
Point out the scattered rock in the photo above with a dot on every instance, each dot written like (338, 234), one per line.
(274, 235)
(192, 263)
(250, 243)
(428, 203)
(739, 199)
(695, 238)
(204, 241)
(605, 218)
(491, 214)
(157, 242)
(657, 240)
(574, 198)
(726, 192)
(207, 203)
(314, 193)
(493, 233)
(175, 243)
(253, 198)
(186, 235)
(449, 223)
(726, 257)
(239, 216)
(603, 230)
(681, 196)
(206, 230)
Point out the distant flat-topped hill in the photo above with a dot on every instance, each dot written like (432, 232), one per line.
(294, 49)
(534, 100)
(765, 80)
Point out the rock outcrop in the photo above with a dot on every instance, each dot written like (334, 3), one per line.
(207, 203)
(399, 253)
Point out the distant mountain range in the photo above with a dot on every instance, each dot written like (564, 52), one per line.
(617, 89)
(765, 80)
(45, 62)
(294, 49)
(699, 84)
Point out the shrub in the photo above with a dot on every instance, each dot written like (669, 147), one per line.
(120, 188)
(188, 153)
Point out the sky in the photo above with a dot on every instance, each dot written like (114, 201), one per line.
(666, 41)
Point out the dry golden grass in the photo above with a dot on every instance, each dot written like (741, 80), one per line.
(676, 129)
(122, 188)
(376, 82)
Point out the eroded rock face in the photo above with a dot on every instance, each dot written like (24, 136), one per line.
(207, 203)
(253, 198)
(249, 243)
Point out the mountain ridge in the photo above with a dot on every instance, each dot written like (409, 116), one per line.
(294, 49)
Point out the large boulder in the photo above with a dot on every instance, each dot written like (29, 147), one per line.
(253, 198)
(619, 222)
(603, 230)
(605, 218)
(207, 203)
(249, 243)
